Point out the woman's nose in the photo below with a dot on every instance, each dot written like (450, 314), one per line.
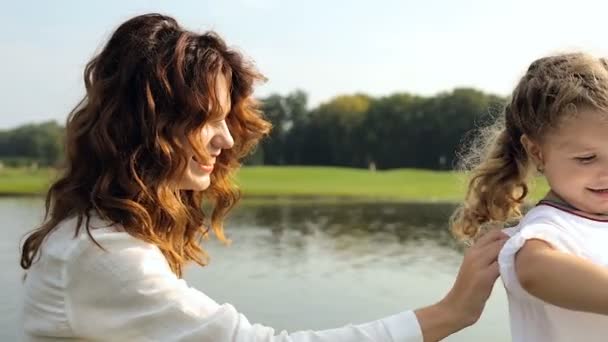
(223, 139)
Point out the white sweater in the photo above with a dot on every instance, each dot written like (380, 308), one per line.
(128, 293)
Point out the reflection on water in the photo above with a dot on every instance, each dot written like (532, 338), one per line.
(352, 233)
(406, 222)
(306, 265)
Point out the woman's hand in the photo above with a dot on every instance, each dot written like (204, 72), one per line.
(477, 275)
(463, 305)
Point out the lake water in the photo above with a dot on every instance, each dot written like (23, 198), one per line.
(306, 265)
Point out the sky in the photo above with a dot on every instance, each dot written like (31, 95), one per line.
(324, 47)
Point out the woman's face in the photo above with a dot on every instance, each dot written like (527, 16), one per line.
(216, 137)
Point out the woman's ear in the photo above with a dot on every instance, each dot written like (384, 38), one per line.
(534, 151)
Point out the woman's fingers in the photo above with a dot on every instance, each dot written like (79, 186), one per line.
(491, 236)
(488, 254)
(477, 275)
(493, 270)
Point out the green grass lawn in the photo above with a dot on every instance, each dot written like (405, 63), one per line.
(24, 181)
(399, 184)
(328, 182)
(345, 182)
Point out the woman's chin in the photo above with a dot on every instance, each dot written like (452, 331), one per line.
(196, 183)
(202, 183)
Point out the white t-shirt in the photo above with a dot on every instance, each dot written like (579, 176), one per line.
(533, 319)
(128, 293)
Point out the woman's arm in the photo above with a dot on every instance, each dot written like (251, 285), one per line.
(128, 293)
(561, 279)
(464, 303)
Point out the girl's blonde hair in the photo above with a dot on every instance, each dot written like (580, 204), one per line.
(552, 88)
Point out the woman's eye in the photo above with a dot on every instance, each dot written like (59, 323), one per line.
(585, 159)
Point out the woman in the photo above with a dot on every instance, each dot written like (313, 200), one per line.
(167, 116)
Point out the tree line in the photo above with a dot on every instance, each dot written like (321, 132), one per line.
(396, 131)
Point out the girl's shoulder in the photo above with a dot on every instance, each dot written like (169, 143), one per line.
(545, 214)
(564, 218)
(539, 217)
(563, 230)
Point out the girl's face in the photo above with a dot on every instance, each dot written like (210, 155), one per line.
(216, 137)
(574, 159)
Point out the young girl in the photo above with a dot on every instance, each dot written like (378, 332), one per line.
(555, 265)
(167, 115)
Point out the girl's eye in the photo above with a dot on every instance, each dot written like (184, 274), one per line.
(585, 159)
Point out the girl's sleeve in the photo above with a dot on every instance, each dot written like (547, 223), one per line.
(552, 234)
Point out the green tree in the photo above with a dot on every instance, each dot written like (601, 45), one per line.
(335, 134)
(284, 112)
(41, 143)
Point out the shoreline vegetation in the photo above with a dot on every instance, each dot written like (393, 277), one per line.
(295, 183)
